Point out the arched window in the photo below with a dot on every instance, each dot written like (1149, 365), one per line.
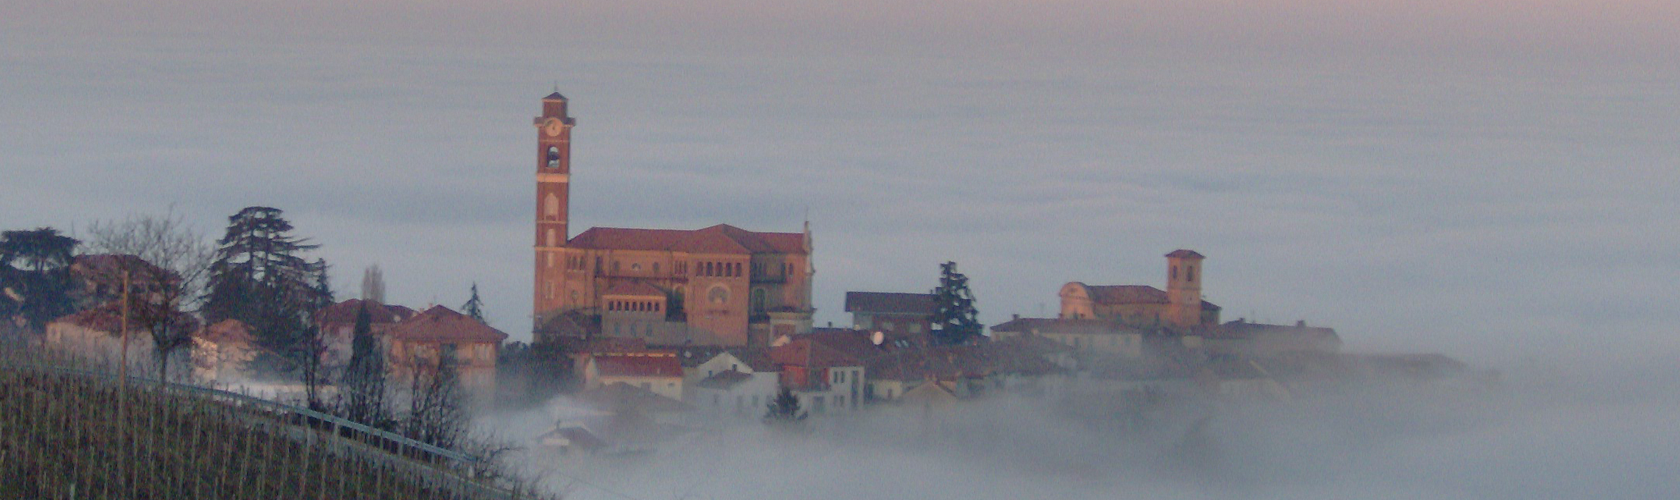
(615, 266)
(553, 157)
(551, 207)
(1175, 272)
(1189, 273)
(551, 238)
(759, 299)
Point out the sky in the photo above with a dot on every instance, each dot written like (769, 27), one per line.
(1488, 179)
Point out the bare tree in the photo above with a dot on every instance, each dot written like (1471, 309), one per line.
(166, 261)
(437, 411)
(373, 284)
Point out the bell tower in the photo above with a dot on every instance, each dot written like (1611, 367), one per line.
(1184, 288)
(554, 169)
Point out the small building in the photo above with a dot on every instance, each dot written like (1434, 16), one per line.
(825, 369)
(735, 394)
(655, 371)
(338, 325)
(1257, 340)
(221, 352)
(419, 343)
(908, 315)
(1082, 335)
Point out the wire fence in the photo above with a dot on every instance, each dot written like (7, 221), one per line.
(71, 434)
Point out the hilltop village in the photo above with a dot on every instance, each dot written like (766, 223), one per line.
(645, 332)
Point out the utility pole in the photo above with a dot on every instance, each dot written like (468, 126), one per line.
(122, 371)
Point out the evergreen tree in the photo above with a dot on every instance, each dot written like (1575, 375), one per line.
(784, 409)
(362, 390)
(474, 307)
(954, 319)
(35, 282)
(260, 277)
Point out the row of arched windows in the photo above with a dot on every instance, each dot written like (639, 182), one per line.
(718, 269)
(634, 306)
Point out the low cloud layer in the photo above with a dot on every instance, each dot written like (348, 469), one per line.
(1553, 431)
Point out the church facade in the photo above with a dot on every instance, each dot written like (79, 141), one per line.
(720, 285)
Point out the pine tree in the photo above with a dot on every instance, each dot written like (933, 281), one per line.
(474, 307)
(784, 409)
(362, 394)
(35, 282)
(260, 277)
(955, 320)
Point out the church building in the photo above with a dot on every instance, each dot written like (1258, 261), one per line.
(1142, 306)
(721, 285)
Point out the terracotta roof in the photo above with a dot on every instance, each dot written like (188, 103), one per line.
(442, 324)
(719, 239)
(633, 289)
(345, 312)
(108, 268)
(107, 317)
(571, 326)
(725, 380)
(952, 362)
(649, 364)
(555, 97)
(1127, 294)
(1185, 254)
(226, 331)
(830, 347)
(890, 302)
(1062, 325)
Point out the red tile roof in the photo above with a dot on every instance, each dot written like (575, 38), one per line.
(1127, 294)
(345, 312)
(725, 380)
(443, 325)
(647, 364)
(719, 239)
(1062, 325)
(1185, 254)
(890, 303)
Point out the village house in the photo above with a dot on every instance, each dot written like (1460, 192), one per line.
(963, 370)
(94, 335)
(656, 371)
(905, 315)
(1082, 335)
(338, 325)
(418, 345)
(733, 384)
(825, 368)
(720, 284)
(221, 352)
(1257, 340)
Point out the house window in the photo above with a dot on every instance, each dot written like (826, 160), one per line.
(1175, 272)
(656, 268)
(635, 266)
(915, 328)
(840, 402)
(1189, 273)
(818, 404)
(615, 266)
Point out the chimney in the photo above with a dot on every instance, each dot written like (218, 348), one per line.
(1015, 316)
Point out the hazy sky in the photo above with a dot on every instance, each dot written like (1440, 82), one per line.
(1491, 179)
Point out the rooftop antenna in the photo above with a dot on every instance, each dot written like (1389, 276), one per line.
(557, 85)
